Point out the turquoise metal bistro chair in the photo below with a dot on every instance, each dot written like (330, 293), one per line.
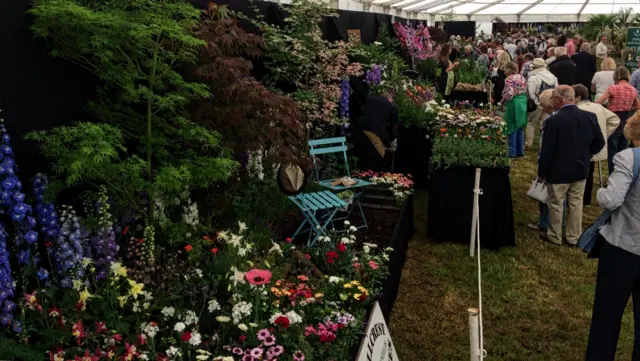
(318, 209)
(338, 145)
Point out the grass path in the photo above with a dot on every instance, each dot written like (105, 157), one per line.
(537, 297)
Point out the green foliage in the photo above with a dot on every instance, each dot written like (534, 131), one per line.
(428, 69)
(263, 205)
(614, 26)
(135, 49)
(411, 114)
(470, 72)
(298, 57)
(450, 151)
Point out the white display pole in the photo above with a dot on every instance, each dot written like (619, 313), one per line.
(474, 216)
(474, 337)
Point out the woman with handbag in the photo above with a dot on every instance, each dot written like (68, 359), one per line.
(619, 264)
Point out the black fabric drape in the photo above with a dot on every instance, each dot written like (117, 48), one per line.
(413, 153)
(400, 243)
(363, 149)
(462, 28)
(451, 205)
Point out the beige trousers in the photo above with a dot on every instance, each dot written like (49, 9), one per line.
(535, 119)
(573, 193)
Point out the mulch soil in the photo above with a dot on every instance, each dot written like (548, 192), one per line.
(381, 223)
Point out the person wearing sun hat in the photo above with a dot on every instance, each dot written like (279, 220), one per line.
(617, 276)
(540, 79)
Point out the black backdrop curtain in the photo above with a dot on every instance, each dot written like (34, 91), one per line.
(462, 28)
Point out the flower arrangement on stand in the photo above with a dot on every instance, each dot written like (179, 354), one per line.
(401, 185)
(464, 136)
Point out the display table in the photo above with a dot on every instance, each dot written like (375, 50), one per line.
(450, 207)
(414, 151)
(475, 98)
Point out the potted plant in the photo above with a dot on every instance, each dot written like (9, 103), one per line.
(346, 196)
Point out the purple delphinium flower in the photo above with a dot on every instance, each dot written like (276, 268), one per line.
(374, 75)
(12, 202)
(64, 240)
(103, 243)
(7, 288)
(345, 90)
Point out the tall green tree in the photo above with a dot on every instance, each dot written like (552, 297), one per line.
(143, 149)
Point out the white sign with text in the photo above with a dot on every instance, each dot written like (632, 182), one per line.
(377, 344)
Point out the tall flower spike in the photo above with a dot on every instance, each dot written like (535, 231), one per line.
(12, 202)
(103, 243)
(7, 289)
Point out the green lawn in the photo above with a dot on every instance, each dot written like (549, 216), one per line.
(537, 297)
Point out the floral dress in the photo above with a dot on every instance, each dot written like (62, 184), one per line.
(515, 84)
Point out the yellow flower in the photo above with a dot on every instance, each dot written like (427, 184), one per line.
(123, 300)
(77, 285)
(85, 295)
(118, 270)
(355, 283)
(347, 285)
(86, 262)
(357, 296)
(319, 295)
(136, 288)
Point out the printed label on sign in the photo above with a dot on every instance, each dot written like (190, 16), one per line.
(633, 47)
(377, 344)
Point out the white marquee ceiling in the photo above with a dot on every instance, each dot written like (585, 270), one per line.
(548, 8)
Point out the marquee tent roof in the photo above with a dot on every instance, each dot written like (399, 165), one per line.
(508, 10)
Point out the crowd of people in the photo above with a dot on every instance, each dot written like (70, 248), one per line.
(586, 110)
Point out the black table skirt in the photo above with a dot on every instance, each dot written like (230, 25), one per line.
(413, 155)
(450, 207)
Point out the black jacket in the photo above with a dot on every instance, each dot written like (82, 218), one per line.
(380, 116)
(564, 69)
(498, 85)
(571, 137)
(585, 68)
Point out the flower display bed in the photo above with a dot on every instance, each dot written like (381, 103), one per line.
(389, 226)
(466, 139)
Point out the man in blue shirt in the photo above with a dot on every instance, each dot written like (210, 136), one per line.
(635, 78)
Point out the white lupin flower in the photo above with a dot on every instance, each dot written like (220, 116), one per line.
(190, 318)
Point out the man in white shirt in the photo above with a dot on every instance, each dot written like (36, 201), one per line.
(602, 50)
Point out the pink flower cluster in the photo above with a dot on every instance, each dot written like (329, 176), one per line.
(326, 331)
(416, 41)
(268, 351)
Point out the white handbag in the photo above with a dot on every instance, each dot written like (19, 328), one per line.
(538, 191)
